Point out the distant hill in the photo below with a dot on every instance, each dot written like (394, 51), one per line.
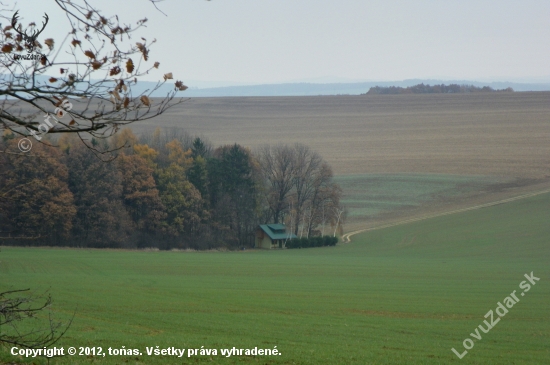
(357, 88)
(434, 89)
(311, 89)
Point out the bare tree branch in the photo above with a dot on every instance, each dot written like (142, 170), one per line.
(86, 85)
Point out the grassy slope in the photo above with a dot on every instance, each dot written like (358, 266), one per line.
(367, 196)
(402, 295)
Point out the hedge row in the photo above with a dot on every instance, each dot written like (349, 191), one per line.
(312, 242)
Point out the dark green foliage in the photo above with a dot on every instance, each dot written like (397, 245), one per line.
(312, 242)
(199, 148)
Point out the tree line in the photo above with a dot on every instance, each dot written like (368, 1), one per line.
(433, 89)
(163, 189)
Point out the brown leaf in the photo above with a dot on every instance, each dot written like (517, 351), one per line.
(59, 101)
(129, 66)
(7, 48)
(52, 79)
(49, 42)
(116, 94)
(43, 60)
(114, 71)
(9, 27)
(168, 76)
(156, 65)
(145, 100)
(126, 102)
(180, 86)
(72, 122)
(90, 54)
(143, 50)
(96, 65)
(76, 42)
(62, 70)
(89, 15)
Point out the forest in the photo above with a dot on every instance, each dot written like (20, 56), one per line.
(164, 189)
(433, 89)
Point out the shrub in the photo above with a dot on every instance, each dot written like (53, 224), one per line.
(317, 241)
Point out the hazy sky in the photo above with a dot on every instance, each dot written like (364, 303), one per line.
(258, 41)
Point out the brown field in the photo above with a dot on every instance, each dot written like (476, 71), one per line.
(504, 134)
(501, 136)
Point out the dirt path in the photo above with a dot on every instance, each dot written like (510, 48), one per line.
(347, 237)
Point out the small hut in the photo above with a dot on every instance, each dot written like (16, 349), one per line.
(272, 236)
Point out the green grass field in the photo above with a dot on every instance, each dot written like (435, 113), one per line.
(401, 295)
(371, 196)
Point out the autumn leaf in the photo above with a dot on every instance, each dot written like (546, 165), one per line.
(126, 102)
(143, 50)
(90, 54)
(89, 15)
(72, 122)
(119, 85)
(52, 79)
(145, 100)
(168, 76)
(76, 42)
(156, 65)
(129, 66)
(43, 60)
(59, 101)
(96, 65)
(116, 94)
(62, 70)
(49, 42)
(7, 48)
(180, 86)
(9, 27)
(114, 71)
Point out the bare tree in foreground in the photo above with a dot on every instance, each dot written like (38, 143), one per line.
(26, 320)
(81, 84)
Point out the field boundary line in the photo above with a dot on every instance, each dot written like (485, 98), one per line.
(346, 238)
